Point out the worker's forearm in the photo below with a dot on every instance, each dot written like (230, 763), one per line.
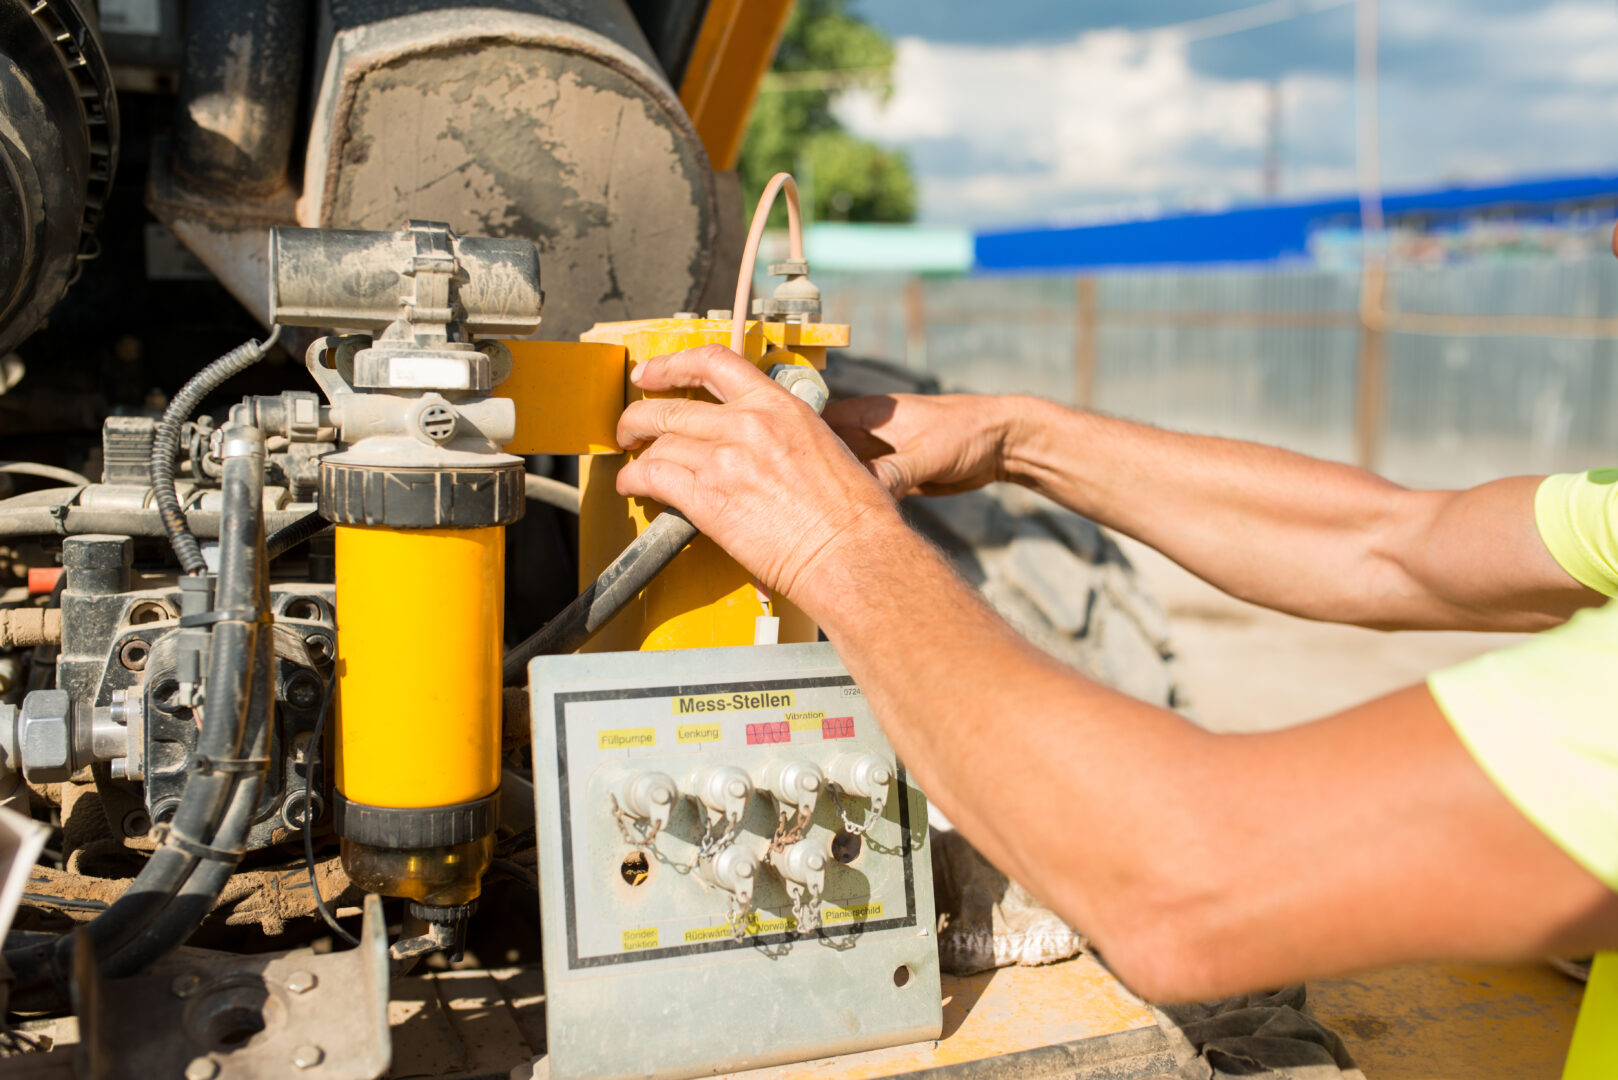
(1279, 529)
(1060, 782)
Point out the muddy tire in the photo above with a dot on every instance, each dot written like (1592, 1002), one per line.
(1059, 578)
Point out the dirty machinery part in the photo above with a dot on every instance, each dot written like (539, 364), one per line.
(58, 150)
(1057, 577)
(550, 120)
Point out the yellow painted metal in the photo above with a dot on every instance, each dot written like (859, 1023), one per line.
(1452, 1021)
(703, 598)
(418, 664)
(733, 51)
(1594, 1054)
(568, 396)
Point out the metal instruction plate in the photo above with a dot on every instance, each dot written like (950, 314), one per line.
(657, 776)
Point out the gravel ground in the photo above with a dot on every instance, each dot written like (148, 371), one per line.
(1250, 669)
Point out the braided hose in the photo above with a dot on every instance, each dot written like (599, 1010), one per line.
(166, 443)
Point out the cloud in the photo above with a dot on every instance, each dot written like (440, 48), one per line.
(1111, 113)
(1112, 120)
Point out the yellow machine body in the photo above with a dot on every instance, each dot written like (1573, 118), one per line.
(704, 598)
(418, 672)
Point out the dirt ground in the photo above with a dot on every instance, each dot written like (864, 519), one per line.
(1249, 669)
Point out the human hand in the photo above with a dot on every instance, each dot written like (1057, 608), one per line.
(927, 444)
(759, 472)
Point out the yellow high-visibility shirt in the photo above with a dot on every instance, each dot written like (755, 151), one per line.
(1541, 720)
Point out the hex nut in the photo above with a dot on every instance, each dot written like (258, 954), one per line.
(301, 982)
(308, 1056)
(45, 737)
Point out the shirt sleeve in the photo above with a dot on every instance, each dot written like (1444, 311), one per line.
(1577, 515)
(1541, 721)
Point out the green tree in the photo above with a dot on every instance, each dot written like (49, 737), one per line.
(792, 129)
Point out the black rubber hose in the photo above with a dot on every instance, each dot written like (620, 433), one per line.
(619, 583)
(203, 803)
(166, 442)
(181, 916)
(287, 537)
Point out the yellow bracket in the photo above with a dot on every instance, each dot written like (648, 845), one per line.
(569, 396)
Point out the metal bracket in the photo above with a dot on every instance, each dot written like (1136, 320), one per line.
(243, 1017)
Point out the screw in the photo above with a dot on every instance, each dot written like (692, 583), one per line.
(303, 690)
(308, 1056)
(184, 986)
(134, 653)
(202, 1068)
(321, 647)
(137, 823)
(301, 982)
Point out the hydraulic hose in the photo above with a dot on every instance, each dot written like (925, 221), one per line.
(166, 443)
(233, 673)
(542, 489)
(44, 472)
(619, 583)
(181, 917)
(287, 537)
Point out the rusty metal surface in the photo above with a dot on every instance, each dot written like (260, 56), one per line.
(507, 124)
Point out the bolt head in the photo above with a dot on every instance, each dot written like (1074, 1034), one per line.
(308, 1056)
(301, 982)
(185, 985)
(45, 738)
(202, 1068)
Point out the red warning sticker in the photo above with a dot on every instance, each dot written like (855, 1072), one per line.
(778, 731)
(837, 727)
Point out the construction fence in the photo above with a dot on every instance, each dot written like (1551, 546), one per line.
(1434, 376)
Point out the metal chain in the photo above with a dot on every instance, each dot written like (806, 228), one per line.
(785, 837)
(631, 832)
(738, 918)
(849, 826)
(712, 844)
(805, 906)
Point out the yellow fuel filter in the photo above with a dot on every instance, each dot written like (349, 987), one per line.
(418, 728)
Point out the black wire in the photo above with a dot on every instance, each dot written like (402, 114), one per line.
(308, 815)
(287, 537)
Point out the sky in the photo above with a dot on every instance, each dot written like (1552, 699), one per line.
(1027, 111)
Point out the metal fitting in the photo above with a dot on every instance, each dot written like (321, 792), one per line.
(239, 440)
(797, 298)
(45, 736)
(803, 383)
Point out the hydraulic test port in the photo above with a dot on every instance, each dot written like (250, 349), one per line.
(802, 867)
(733, 871)
(796, 786)
(647, 799)
(724, 792)
(864, 776)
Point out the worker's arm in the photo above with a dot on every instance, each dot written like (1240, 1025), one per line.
(1304, 536)
(1200, 864)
